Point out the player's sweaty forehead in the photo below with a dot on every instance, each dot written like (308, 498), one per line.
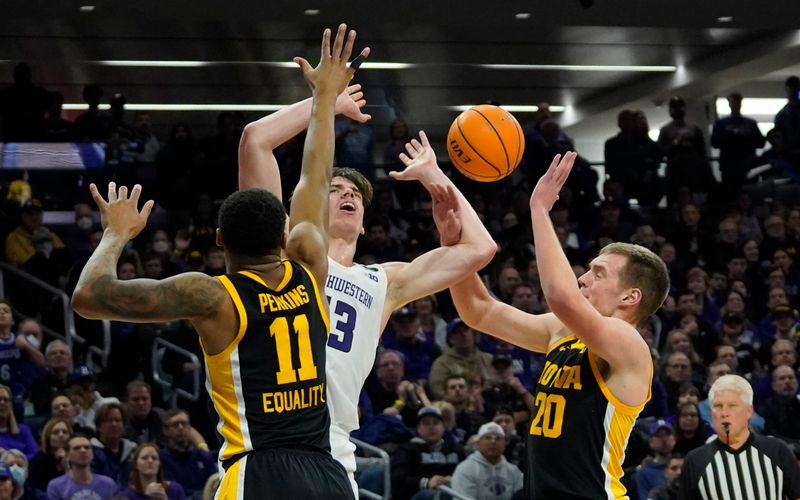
(339, 183)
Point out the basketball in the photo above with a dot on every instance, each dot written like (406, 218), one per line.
(485, 143)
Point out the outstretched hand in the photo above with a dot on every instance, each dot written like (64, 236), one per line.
(419, 161)
(446, 214)
(333, 73)
(351, 102)
(546, 191)
(120, 214)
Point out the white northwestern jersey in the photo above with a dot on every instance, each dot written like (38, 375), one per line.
(356, 295)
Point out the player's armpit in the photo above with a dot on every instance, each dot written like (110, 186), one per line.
(185, 296)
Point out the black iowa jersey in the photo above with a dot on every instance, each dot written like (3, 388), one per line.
(577, 438)
(268, 385)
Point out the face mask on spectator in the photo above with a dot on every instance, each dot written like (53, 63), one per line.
(161, 246)
(18, 474)
(33, 341)
(84, 223)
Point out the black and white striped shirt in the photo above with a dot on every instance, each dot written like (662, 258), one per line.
(762, 469)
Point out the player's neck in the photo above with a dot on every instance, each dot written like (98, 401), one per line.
(5, 332)
(342, 251)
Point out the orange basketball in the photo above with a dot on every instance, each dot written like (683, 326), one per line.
(485, 143)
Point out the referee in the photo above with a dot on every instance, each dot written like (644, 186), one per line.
(739, 464)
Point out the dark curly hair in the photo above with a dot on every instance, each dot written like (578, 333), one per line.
(251, 222)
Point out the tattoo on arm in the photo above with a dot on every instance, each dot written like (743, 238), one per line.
(174, 298)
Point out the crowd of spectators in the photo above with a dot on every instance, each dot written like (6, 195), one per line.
(451, 405)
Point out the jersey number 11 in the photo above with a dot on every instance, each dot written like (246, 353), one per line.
(279, 329)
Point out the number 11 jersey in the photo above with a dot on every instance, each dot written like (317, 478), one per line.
(577, 438)
(268, 386)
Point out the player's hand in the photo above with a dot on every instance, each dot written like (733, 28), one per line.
(446, 213)
(120, 214)
(546, 191)
(420, 161)
(155, 490)
(351, 102)
(333, 72)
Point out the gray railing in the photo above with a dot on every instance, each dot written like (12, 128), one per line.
(160, 346)
(387, 472)
(70, 334)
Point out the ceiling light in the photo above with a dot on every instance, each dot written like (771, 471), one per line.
(579, 67)
(511, 108)
(86, 8)
(522, 15)
(311, 12)
(753, 106)
(724, 19)
(197, 64)
(152, 64)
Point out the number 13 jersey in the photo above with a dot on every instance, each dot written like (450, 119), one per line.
(577, 439)
(268, 386)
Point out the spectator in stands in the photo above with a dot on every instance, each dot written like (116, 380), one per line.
(784, 352)
(732, 330)
(632, 158)
(112, 453)
(148, 144)
(18, 464)
(677, 371)
(10, 489)
(77, 237)
(354, 144)
(430, 321)
(177, 162)
(784, 319)
(697, 282)
(506, 390)
(79, 481)
(82, 386)
(405, 336)
(507, 279)
(145, 422)
(19, 243)
(184, 462)
(690, 430)
(56, 128)
(781, 411)
(390, 393)
(651, 473)
(13, 434)
(777, 238)
(467, 421)
(378, 243)
(91, 125)
(460, 356)
(787, 122)
(427, 461)
(684, 146)
(58, 362)
(678, 341)
(62, 407)
(48, 263)
(486, 474)
(50, 461)
(737, 138)
(515, 443)
(22, 107)
(672, 473)
(147, 477)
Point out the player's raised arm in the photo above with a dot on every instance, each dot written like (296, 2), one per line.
(482, 312)
(611, 338)
(308, 240)
(440, 268)
(100, 295)
(258, 167)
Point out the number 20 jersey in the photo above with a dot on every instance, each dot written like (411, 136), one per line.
(268, 385)
(577, 439)
(356, 295)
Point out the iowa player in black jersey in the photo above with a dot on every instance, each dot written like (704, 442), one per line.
(598, 369)
(264, 325)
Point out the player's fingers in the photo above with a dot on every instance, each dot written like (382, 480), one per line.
(396, 175)
(405, 159)
(338, 42)
(146, 209)
(326, 45)
(348, 46)
(416, 144)
(112, 191)
(357, 96)
(304, 65)
(123, 193)
(135, 192)
(554, 165)
(360, 58)
(412, 151)
(98, 198)
(451, 193)
(352, 89)
(424, 137)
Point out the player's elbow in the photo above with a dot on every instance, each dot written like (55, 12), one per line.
(255, 135)
(83, 303)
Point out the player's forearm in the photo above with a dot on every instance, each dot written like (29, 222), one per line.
(101, 266)
(471, 300)
(555, 272)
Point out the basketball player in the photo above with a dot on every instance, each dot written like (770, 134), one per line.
(362, 298)
(598, 369)
(264, 325)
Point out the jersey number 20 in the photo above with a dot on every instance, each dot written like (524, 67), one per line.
(279, 329)
(549, 415)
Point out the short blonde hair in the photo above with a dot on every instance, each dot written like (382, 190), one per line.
(732, 383)
(645, 271)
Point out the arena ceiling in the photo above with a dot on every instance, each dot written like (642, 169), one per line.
(444, 45)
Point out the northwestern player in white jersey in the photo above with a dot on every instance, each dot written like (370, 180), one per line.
(362, 298)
